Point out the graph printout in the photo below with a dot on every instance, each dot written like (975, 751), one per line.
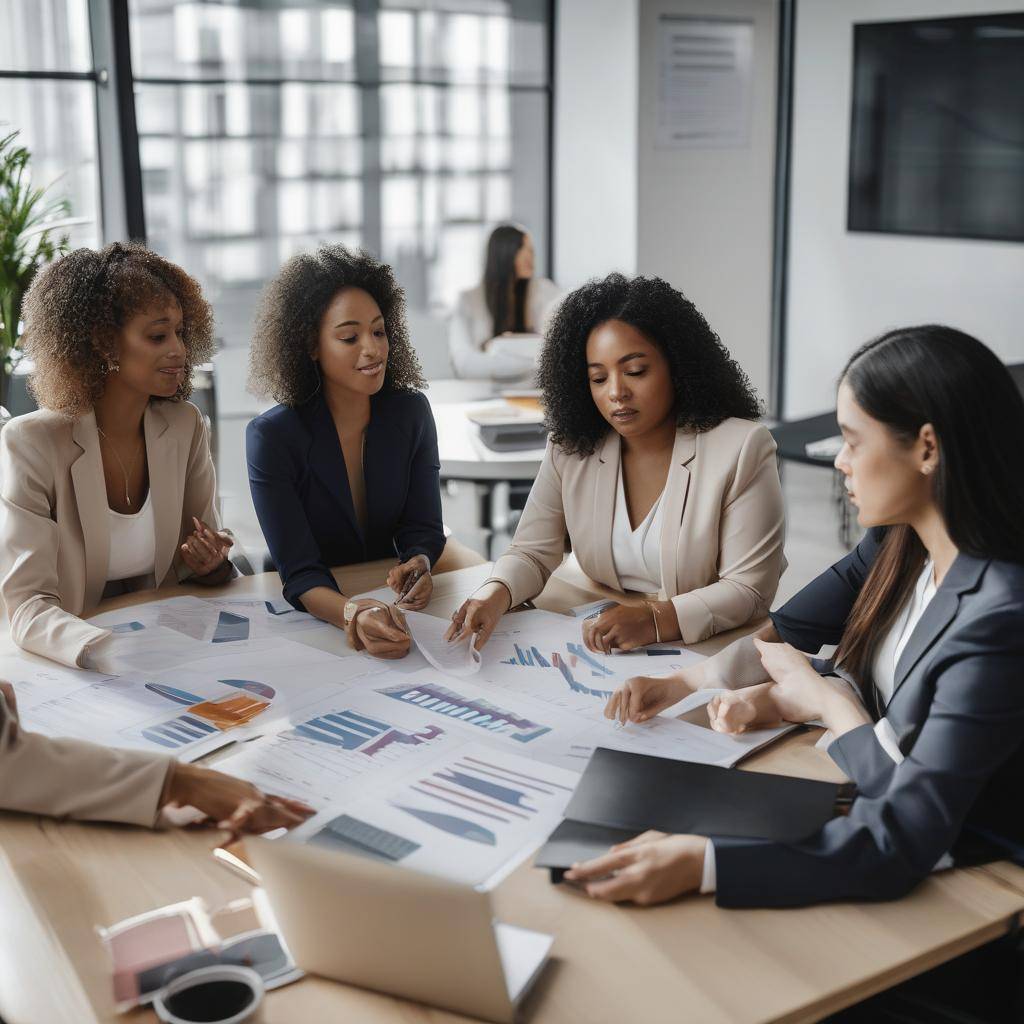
(467, 812)
(461, 775)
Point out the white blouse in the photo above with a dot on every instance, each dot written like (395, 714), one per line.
(883, 669)
(132, 542)
(637, 553)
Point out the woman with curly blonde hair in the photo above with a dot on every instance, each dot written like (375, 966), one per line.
(346, 468)
(110, 486)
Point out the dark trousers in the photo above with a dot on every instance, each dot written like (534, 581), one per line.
(985, 986)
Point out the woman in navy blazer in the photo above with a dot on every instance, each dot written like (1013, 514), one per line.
(346, 468)
(928, 613)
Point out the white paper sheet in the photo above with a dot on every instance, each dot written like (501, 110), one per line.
(467, 812)
(428, 632)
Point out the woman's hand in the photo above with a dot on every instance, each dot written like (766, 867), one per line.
(379, 629)
(479, 615)
(643, 697)
(623, 626)
(205, 550)
(233, 804)
(801, 695)
(738, 711)
(652, 868)
(412, 582)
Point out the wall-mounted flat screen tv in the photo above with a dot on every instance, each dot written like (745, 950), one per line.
(937, 127)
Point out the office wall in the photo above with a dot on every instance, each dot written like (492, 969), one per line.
(844, 288)
(595, 150)
(705, 214)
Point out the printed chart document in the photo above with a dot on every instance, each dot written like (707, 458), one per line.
(453, 763)
(468, 812)
(189, 710)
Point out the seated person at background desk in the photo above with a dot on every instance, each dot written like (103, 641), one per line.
(656, 469)
(110, 486)
(928, 613)
(509, 301)
(72, 779)
(346, 468)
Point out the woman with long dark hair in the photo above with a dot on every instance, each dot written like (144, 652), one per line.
(928, 613)
(510, 303)
(657, 470)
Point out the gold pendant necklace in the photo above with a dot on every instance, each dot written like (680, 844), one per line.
(124, 472)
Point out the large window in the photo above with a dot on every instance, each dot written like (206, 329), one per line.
(409, 127)
(48, 93)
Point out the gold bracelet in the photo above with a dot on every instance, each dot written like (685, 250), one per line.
(654, 616)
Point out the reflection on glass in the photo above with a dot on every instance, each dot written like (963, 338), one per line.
(241, 172)
(236, 177)
(193, 39)
(57, 125)
(44, 35)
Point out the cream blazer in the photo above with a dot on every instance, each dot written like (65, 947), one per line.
(55, 530)
(722, 531)
(71, 778)
(471, 327)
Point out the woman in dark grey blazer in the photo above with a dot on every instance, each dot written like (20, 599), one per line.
(928, 613)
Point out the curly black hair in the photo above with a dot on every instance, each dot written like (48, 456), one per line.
(709, 384)
(293, 305)
(76, 308)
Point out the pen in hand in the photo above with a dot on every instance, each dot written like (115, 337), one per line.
(410, 581)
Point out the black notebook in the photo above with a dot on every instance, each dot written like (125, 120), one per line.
(622, 794)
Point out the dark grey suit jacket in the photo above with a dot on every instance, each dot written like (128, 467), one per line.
(958, 713)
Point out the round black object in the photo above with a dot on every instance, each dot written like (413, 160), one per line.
(211, 1001)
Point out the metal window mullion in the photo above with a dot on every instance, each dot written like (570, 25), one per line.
(367, 42)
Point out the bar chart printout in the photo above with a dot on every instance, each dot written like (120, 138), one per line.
(476, 711)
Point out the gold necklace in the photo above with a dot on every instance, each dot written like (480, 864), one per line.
(128, 472)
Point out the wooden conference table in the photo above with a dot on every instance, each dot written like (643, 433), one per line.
(684, 961)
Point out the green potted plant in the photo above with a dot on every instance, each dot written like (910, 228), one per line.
(28, 220)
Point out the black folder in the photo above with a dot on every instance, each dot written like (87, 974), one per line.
(622, 794)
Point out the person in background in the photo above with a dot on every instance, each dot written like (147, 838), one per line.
(656, 469)
(69, 778)
(110, 486)
(928, 615)
(346, 468)
(509, 301)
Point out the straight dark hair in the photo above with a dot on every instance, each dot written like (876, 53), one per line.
(938, 375)
(500, 275)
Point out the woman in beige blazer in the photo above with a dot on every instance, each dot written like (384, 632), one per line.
(656, 471)
(73, 779)
(110, 486)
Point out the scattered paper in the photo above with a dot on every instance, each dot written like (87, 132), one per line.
(428, 632)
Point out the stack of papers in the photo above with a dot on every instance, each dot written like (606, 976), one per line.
(450, 760)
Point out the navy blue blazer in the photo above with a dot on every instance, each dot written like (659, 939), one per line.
(300, 488)
(958, 714)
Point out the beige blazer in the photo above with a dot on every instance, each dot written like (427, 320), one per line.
(471, 327)
(71, 778)
(55, 530)
(722, 531)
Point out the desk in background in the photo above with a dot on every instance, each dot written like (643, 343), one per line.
(686, 960)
